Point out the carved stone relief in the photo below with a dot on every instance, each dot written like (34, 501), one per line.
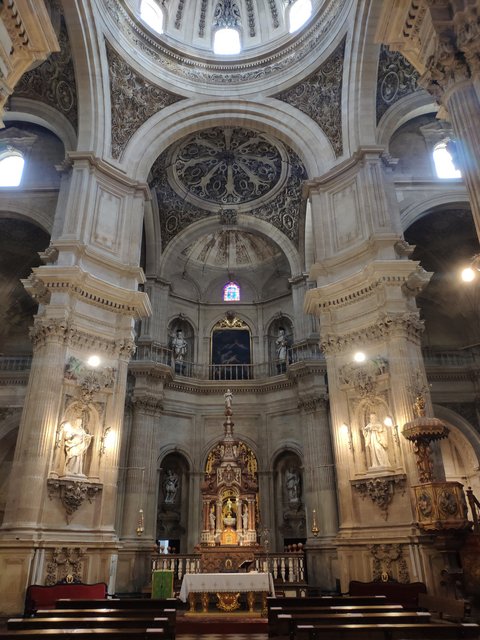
(381, 490)
(389, 563)
(396, 79)
(66, 563)
(247, 167)
(53, 82)
(320, 97)
(133, 100)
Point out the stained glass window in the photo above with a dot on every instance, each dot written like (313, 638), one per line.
(231, 292)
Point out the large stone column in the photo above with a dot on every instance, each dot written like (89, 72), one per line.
(442, 41)
(319, 491)
(62, 497)
(365, 301)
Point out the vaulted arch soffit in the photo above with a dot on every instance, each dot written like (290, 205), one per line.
(244, 223)
(429, 204)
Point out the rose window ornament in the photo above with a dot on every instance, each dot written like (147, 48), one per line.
(230, 166)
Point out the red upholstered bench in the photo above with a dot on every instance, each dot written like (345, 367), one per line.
(395, 592)
(45, 597)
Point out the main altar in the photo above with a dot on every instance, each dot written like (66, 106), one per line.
(229, 502)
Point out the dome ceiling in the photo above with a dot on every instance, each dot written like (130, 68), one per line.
(232, 247)
(226, 171)
(184, 54)
(227, 166)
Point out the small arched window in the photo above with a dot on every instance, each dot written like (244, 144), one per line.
(443, 160)
(226, 42)
(152, 15)
(231, 292)
(11, 167)
(299, 13)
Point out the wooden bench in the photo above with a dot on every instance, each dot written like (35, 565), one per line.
(84, 634)
(395, 592)
(292, 602)
(448, 608)
(399, 631)
(102, 622)
(117, 603)
(287, 623)
(275, 612)
(44, 597)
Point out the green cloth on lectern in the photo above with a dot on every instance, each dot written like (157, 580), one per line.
(162, 584)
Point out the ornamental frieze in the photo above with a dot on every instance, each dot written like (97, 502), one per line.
(53, 82)
(320, 97)
(133, 100)
(396, 78)
(407, 324)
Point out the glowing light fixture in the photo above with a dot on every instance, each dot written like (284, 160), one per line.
(93, 361)
(359, 356)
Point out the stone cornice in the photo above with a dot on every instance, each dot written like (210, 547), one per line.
(347, 166)
(47, 279)
(148, 404)
(361, 285)
(408, 324)
(93, 161)
(62, 331)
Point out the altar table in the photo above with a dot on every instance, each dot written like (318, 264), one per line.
(227, 587)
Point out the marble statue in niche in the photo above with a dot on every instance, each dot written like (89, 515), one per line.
(376, 443)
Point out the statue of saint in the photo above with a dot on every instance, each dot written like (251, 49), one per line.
(281, 345)
(179, 346)
(212, 518)
(292, 482)
(171, 486)
(76, 441)
(245, 517)
(228, 395)
(376, 442)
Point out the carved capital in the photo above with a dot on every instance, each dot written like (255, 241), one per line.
(72, 493)
(49, 330)
(310, 404)
(380, 490)
(149, 405)
(409, 324)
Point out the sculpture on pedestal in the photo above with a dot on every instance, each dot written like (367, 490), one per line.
(76, 441)
(376, 442)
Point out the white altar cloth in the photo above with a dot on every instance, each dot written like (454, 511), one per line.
(225, 582)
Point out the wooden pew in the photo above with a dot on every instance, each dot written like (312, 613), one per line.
(399, 631)
(118, 603)
(100, 622)
(84, 634)
(444, 607)
(398, 592)
(141, 615)
(44, 597)
(292, 602)
(274, 612)
(287, 623)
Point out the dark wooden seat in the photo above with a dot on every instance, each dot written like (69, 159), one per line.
(402, 593)
(104, 622)
(169, 613)
(85, 634)
(287, 623)
(274, 612)
(118, 603)
(398, 631)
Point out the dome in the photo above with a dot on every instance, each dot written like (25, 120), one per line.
(184, 49)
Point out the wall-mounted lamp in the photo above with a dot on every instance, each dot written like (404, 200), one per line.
(315, 529)
(141, 523)
(471, 272)
(388, 422)
(347, 434)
